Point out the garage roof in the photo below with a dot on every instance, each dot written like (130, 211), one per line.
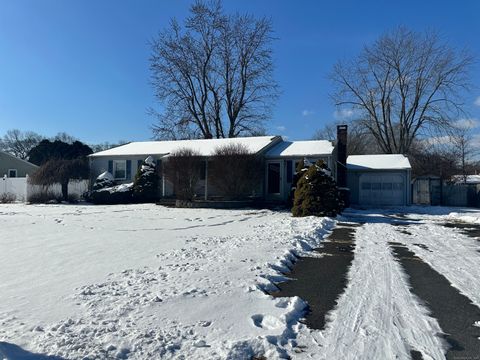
(301, 148)
(378, 162)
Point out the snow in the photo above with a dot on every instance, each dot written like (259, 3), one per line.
(377, 317)
(378, 162)
(146, 281)
(118, 188)
(205, 147)
(301, 149)
(470, 179)
(105, 175)
(150, 161)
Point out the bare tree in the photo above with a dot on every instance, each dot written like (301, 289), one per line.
(359, 140)
(64, 137)
(19, 143)
(214, 75)
(246, 72)
(464, 149)
(403, 86)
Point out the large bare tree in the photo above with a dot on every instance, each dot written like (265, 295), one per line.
(359, 140)
(214, 75)
(403, 86)
(19, 143)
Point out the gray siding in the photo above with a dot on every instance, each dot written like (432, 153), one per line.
(99, 165)
(8, 162)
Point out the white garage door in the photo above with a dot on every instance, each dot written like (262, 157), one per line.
(382, 189)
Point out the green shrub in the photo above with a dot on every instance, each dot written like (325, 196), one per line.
(317, 193)
(145, 186)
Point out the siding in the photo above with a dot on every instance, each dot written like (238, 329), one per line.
(7, 162)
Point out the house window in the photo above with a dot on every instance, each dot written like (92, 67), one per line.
(289, 171)
(12, 173)
(119, 169)
(203, 170)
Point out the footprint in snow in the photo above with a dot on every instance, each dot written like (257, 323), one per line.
(267, 322)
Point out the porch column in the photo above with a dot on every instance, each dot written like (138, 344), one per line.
(163, 179)
(206, 179)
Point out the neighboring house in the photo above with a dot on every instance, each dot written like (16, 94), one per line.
(379, 180)
(13, 167)
(280, 159)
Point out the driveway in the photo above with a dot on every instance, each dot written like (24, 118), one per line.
(411, 291)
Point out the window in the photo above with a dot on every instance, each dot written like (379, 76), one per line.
(203, 170)
(376, 186)
(120, 169)
(289, 171)
(12, 173)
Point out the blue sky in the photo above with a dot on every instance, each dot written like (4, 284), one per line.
(82, 66)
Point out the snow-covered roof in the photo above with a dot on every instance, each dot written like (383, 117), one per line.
(378, 162)
(301, 148)
(205, 147)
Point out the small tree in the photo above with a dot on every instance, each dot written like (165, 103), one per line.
(60, 171)
(145, 186)
(183, 170)
(235, 170)
(301, 168)
(317, 193)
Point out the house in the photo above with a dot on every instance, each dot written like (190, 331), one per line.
(13, 167)
(280, 157)
(379, 180)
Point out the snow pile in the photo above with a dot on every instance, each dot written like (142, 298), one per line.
(145, 281)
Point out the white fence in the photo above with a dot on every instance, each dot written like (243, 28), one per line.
(22, 190)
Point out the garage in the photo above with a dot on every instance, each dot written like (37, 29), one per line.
(379, 180)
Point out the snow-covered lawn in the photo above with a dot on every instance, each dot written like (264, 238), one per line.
(147, 281)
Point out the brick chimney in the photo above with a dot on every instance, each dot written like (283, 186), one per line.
(342, 155)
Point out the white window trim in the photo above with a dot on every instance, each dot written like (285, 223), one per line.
(114, 169)
(16, 172)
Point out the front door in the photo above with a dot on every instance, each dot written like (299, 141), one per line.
(274, 179)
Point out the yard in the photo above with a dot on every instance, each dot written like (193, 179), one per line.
(145, 281)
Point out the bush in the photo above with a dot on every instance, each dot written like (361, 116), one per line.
(235, 171)
(7, 198)
(104, 180)
(43, 197)
(119, 194)
(317, 193)
(183, 170)
(302, 167)
(145, 186)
